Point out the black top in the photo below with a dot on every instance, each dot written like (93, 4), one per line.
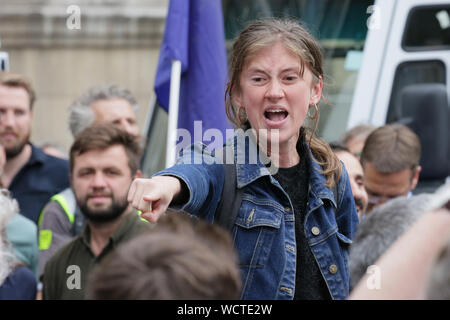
(309, 282)
(40, 178)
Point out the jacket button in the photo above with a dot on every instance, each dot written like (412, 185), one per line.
(315, 231)
(333, 269)
(287, 290)
(289, 247)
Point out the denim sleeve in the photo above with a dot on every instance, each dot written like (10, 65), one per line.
(204, 178)
(346, 214)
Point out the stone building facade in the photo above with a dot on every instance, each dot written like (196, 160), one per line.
(67, 46)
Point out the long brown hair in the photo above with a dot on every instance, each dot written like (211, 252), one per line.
(261, 34)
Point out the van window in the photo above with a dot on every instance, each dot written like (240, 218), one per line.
(413, 72)
(427, 28)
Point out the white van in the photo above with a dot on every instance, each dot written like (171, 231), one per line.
(405, 77)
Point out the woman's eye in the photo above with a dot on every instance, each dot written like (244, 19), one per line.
(291, 78)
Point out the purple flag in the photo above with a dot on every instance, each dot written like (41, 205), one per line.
(194, 34)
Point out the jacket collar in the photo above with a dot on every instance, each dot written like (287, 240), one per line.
(124, 226)
(250, 165)
(317, 181)
(37, 156)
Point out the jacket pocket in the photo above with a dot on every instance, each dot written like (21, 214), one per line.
(343, 239)
(257, 224)
(344, 244)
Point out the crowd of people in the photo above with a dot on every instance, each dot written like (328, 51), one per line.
(333, 221)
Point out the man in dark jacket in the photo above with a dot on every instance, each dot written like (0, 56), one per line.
(31, 175)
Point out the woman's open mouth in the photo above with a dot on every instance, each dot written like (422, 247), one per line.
(275, 117)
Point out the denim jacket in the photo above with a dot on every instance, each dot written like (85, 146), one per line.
(264, 232)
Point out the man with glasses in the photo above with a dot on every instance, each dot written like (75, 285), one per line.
(390, 160)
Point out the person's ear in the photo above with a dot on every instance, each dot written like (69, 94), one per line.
(415, 177)
(236, 97)
(138, 174)
(316, 91)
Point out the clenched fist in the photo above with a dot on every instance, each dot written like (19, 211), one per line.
(153, 196)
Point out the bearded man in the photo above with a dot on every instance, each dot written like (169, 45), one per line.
(104, 160)
(31, 175)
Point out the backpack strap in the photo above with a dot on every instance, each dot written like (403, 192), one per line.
(230, 201)
(231, 198)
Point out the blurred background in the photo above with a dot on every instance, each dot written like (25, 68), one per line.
(373, 50)
(118, 42)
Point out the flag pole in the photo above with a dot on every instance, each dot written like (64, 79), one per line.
(175, 76)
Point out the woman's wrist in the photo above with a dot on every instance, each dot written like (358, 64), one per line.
(179, 190)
